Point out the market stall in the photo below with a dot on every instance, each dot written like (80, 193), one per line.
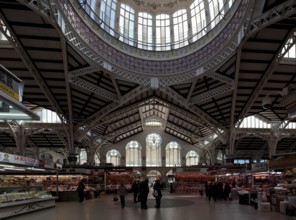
(19, 192)
(114, 176)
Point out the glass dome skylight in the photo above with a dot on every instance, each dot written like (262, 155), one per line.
(155, 25)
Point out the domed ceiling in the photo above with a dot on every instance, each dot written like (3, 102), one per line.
(155, 6)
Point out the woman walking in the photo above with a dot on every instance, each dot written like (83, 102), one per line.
(122, 192)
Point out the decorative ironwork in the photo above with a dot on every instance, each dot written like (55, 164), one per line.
(139, 70)
(95, 89)
(286, 9)
(210, 94)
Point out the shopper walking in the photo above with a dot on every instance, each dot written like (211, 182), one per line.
(171, 187)
(80, 190)
(212, 191)
(122, 192)
(207, 189)
(144, 191)
(157, 193)
(97, 191)
(135, 189)
(227, 190)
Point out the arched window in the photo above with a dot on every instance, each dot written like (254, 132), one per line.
(82, 156)
(192, 158)
(198, 19)
(153, 150)
(133, 154)
(153, 32)
(230, 2)
(180, 24)
(220, 156)
(97, 158)
(127, 24)
(163, 34)
(108, 15)
(47, 116)
(208, 158)
(113, 156)
(216, 8)
(90, 6)
(173, 154)
(145, 38)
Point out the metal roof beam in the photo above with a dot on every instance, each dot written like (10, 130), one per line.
(14, 127)
(210, 94)
(56, 126)
(227, 80)
(172, 108)
(83, 71)
(284, 10)
(191, 89)
(123, 130)
(89, 122)
(130, 109)
(183, 131)
(231, 133)
(70, 127)
(95, 89)
(195, 110)
(115, 86)
(11, 36)
(288, 43)
(62, 138)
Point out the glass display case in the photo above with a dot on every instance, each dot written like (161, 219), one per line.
(21, 194)
(19, 191)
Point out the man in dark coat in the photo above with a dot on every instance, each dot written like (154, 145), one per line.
(157, 187)
(135, 189)
(144, 191)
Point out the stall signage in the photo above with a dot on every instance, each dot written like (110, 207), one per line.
(78, 170)
(259, 167)
(9, 84)
(188, 170)
(16, 159)
(287, 161)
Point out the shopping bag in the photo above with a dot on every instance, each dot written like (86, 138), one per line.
(155, 193)
(115, 198)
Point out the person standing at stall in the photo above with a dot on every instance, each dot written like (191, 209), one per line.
(157, 193)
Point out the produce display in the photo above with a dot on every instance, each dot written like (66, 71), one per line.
(114, 178)
(18, 188)
(19, 196)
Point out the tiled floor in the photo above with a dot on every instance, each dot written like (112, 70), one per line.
(174, 207)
